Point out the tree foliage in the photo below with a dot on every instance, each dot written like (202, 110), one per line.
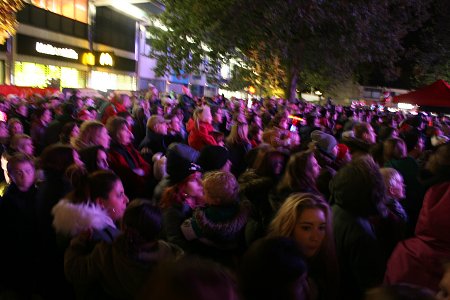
(282, 41)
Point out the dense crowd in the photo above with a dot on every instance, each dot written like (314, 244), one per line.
(148, 197)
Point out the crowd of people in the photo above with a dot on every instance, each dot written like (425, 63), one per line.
(142, 197)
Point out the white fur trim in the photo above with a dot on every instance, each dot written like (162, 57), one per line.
(71, 219)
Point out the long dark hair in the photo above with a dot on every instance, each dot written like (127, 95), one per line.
(298, 176)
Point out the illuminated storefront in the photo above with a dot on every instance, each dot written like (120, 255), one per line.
(39, 75)
(40, 61)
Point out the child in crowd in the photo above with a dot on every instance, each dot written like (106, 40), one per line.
(217, 230)
(18, 230)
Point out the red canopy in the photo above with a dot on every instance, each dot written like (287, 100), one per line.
(435, 94)
(25, 91)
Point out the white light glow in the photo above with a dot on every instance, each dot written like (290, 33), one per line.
(129, 9)
(405, 106)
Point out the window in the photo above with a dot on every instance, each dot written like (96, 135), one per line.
(37, 75)
(73, 9)
(81, 11)
(54, 6)
(68, 8)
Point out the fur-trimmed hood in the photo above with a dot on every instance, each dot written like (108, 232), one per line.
(73, 218)
(218, 226)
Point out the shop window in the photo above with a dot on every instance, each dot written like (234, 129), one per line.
(81, 10)
(73, 9)
(39, 3)
(67, 8)
(54, 6)
(37, 75)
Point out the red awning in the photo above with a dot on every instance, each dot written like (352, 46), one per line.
(436, 94)
(25, 91)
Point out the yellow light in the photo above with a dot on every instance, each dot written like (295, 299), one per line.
(88, 59)
(251, 90)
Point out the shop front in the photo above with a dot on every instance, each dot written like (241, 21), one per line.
(44, 63)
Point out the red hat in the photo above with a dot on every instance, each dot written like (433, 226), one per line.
(342, 151)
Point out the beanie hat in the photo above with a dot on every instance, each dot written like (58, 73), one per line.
(213, 158)
(326, 142)
(342, 151)
(181, 162)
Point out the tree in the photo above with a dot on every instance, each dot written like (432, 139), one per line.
(8, 22)
(321, 38)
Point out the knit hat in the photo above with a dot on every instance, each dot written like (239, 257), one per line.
(213, 158)
(181, 162)
(326, 142)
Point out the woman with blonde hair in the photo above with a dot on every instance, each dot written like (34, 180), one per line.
(307, 219)
(238, 144)
(200, 129)
(92, 133)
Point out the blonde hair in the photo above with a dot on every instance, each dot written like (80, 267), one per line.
(286, 218)
(239, 131)
(89, 132)
(200, 114)
(390, 176)
(220, 188)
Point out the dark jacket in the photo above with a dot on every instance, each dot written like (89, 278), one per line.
(360, 256)
(18, 233)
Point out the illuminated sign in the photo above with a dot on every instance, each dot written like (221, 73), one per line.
(88, 59)
(51, 50)
(106, 59)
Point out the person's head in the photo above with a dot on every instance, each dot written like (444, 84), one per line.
(400, 291)
(190, 278)
(94, 158)
(217, 114)
(43, 115)
(220, 188)
(393, 180)
(119, 131)
(175, 123)
(439, 162)
(92, 133)
(158, 124)
(106, 191)
(58, 157)
(325, 142)
(203, 114)
(301, 172)
(15, 126)
(141, 222)
(128, 117)
(358, 187)
(394, 148)
(307, 219)
(4, 133)
(274, 268)
(413, 140)
(124, 99)
(239, 131)
(213, 158)
(270, 162)
(22, 143)
(69, 133)
(364, 131)
(21, 170)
